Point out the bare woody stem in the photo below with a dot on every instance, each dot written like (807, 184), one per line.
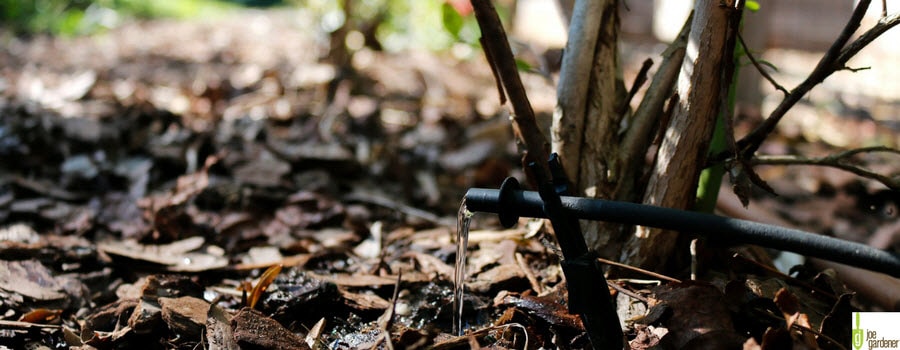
(835, 59)
(839, 161)
(639, 81)
(866, 38)
(502, 61)
(759, 67)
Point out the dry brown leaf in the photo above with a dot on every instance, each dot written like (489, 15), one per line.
(264, 281)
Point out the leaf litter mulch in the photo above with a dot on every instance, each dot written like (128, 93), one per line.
(220, 185)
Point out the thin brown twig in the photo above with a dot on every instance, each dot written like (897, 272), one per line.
(627, 292)
(387, 320)
(872, 149)
(884, 24)
(833, 60)
(639, 81)
(27, 325)
(819, 334)
(497, 81)
(496, 46)
(638, 270)
(474, 336)
(854, 70)
(532, 279)
(838, 161)
(759, 67)
(383, 201)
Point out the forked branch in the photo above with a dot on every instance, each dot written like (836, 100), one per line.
(835, 59)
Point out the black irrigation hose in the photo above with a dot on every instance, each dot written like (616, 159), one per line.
(511, 203)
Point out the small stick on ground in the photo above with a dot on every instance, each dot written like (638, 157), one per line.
(638, 270)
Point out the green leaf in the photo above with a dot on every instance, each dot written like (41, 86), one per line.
(70, 23)
(453, 22)
(752, 5)
(523, 66)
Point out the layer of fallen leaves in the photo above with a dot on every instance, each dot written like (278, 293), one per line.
(221, 185)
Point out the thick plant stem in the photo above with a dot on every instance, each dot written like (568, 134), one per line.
(585, 129)
(572, 91)
(706, 74)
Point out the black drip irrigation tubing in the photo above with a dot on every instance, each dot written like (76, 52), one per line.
(510, 203)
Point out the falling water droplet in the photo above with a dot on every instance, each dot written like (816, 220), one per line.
(463, 219)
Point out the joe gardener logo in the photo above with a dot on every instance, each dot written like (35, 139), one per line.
(876, 330)
(857, 334)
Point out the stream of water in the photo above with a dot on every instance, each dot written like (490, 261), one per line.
(463, 219)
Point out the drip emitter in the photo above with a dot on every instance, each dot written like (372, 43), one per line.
(510, 203)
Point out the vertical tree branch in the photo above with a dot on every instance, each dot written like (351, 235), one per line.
(496, 47)
(705, 75)
(572, 89)
(646, 120)
(599, 150)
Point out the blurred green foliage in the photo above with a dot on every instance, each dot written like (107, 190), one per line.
(73, 17)
(396, 25)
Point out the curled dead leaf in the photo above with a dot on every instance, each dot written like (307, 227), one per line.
(264, 281)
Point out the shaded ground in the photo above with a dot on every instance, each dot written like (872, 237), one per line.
(152, 174)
